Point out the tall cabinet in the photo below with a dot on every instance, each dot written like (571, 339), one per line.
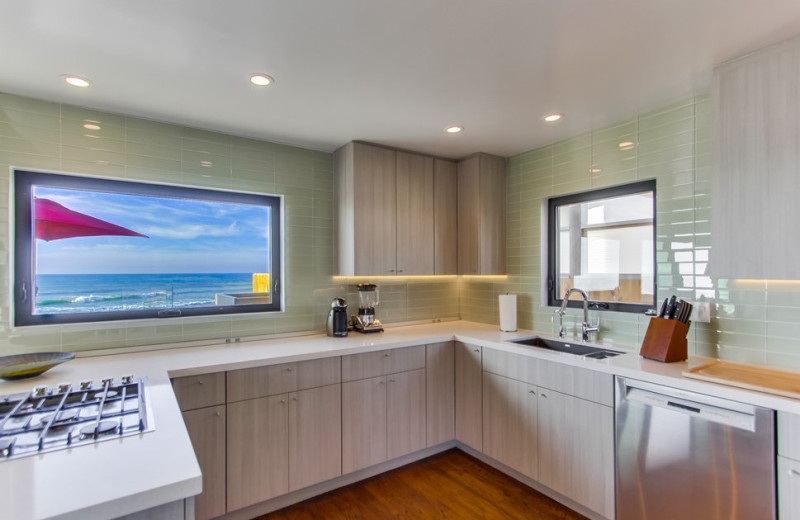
(482, 215)
(395, 212)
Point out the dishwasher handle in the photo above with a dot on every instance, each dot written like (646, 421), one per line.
(736, 415)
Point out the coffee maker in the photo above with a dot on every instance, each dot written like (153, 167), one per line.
(337, 318)
(365, 321)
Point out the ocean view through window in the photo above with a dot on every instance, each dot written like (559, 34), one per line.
(90, 249)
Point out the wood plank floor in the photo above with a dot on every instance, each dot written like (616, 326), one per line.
(450, 485)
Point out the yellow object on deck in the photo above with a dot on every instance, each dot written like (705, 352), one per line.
(261, 283)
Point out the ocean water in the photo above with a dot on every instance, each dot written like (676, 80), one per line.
(59, 293)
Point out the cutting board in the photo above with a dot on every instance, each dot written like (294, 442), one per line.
(762, 379)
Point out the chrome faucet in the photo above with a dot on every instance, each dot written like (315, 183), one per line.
(586, 328)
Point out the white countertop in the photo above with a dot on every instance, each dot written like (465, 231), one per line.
(117, 477)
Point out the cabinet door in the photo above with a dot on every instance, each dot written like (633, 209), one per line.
(492, 215)
(788, 488)
(375, 207)
(200, 391)
(258, 455)
(404, 359)
(206, 428)
(576, 450)
(469, 404)
(414, 214)
(469, 205)
(440, 390)
(509, 423)
(445, 217)
(315, 436)
(363, 423)
(405, 413)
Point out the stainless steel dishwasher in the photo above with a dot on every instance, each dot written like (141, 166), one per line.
(682, 455)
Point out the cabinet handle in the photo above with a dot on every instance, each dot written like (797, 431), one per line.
(531, 392)
(391, 380)
(477, 350)
(387, 355)
(289, 369)
(294, 399)
(544, 395)
(391, 270)
(794, 473)
(381, 382)
(199, 381)
(216, 414)
(399, 270)
(283, 401)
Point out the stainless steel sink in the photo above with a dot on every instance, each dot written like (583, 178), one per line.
(570, 348)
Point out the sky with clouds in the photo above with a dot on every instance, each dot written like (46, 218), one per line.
(186, 236)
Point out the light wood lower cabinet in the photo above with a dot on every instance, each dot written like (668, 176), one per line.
(469, 403)
(576, 450)
(788, 489)
(510, 423)
(258, 455)
(382, 417)
(440, 391)
(206, 428)
(282, 443)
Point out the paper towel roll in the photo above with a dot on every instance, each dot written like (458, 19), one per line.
(508, 312)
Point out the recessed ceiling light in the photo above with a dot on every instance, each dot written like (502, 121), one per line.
(207, 164)
(76, 81)
(595, 170)
(454, 129)
(91, 126)
(552, 118)
(626, 145)
(261, 80)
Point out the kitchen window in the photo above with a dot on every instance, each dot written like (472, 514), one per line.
(90, 249)
(603, 242)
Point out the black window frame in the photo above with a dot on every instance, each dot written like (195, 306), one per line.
(554, 299)
(24, 244)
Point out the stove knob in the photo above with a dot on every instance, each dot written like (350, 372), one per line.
(63, 388)
(108, 381)
(86, 384)
(126, 380)
(39, 391)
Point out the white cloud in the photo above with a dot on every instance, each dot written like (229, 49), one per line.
(191, 231)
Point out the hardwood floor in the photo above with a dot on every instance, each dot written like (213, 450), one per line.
(450, 485)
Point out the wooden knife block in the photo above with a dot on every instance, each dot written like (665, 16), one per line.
(665, 341)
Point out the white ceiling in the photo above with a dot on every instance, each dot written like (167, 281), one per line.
(394, 72)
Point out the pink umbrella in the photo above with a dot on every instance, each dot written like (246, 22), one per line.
(54, 222)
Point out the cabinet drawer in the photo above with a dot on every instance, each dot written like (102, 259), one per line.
(578, 382)
(251, 383)
(789, 435)
(200, 391)
(373, 364)
(507, 364)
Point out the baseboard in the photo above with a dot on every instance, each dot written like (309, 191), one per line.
(516, 475)
(294, 497)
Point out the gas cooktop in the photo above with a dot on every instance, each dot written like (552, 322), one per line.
(48, 419)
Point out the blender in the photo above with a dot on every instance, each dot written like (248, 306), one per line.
(365, 321)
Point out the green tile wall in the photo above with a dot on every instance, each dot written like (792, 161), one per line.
(752, 321)
(50, 136)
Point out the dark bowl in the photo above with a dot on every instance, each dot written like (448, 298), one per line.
(22, 366)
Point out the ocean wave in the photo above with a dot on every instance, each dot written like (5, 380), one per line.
(92, 298)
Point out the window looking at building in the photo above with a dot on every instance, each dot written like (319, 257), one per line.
(603, 242)
(89, 249)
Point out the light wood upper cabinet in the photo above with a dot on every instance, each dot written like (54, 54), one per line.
(469, 405)
(206, 428)
(757, 172)
(415, 228)
(482, 215)
(366, 202)
(445, 217)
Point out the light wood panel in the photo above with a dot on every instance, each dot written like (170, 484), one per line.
(375, 203)
(315, 435)
(402, 359)
(405, 413)
(751, 377)
(508, 364)
(757, 122)
(251, 383)
(206, 428)
(415, 228)
(789, 435)
(576, 450)
(469, 401)
(509, 423)
(258, 455)
(445, 217)
(363, 423)
(440, 395)
(371, 364)
(199, 391)
(579, 382)
(469, 223)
